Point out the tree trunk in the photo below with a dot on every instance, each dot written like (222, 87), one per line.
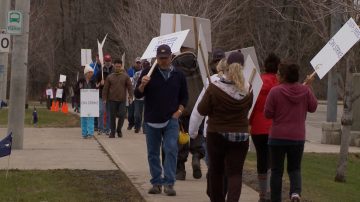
(346, 122)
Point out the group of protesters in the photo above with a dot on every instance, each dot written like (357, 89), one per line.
(171, 97)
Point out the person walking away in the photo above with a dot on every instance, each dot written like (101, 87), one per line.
(114, 93)
(260, 127)
(227, 103)
(166, 97)
(287, 105)
(139, 102)
(131, 72)
(104, 108)
(87, 123)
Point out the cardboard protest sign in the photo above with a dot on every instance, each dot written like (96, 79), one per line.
(59, 93)
(89, 99)
(203, 57)
(174, 40)
(336, 48)
(252, 76)
(249, 51)
(85, 57)
(49, 92)
(62, 78)
(177, 22)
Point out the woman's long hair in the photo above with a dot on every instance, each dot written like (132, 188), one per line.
(221, 66)
(234, 72)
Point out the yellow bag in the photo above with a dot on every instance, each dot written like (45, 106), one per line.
(184, 137)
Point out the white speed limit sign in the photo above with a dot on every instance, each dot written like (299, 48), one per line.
(4, 43)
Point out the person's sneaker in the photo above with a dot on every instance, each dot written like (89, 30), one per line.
(90, 137)
(119, 134)
(107, 133)
(84, 137)
(112, 135)
(137, 130)
(181, 175)
(130, 127)
(169, 190)
(156, 189)
(295, 197)
(196, 167)
(100, 132)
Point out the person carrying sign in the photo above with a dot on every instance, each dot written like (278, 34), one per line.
(114, 93)
(87, 123)
(131, 108)
(166, 97)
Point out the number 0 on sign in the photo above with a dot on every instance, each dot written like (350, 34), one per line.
(4, 43)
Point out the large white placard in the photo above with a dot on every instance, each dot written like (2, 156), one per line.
(85, 57)
(249, 51)
(49, 92)
(174, 40)
(89, 103)
(177, 22)
(59, 93)
(252, 76)
(336, 48)
(203, 56)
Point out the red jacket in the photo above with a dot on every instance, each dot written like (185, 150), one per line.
(260, 124)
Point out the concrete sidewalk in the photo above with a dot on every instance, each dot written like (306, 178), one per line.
(57, 148)
(129, 153)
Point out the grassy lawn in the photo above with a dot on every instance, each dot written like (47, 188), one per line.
(318, 172)
(67, 185)
(46, 118)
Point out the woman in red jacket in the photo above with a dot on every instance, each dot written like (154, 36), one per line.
(260, 126)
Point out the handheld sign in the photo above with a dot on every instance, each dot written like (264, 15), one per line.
(203, 57)
(249, 51)
(177, 22)
(49, 92)
(252, 76)
(101, 54)
(62, 78)
(85, 56)
(336, 48)
(59, 93)
(89, 99)
(173, 40)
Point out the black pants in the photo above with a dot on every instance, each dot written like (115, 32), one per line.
(294, 155)
(195, 147)
(262, 152)
(117, 109)
(228, 158)
(131, 117)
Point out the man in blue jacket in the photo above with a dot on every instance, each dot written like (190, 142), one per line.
(166, 97)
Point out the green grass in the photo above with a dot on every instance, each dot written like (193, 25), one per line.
(46, 118)
(67, 185)
(318, 172)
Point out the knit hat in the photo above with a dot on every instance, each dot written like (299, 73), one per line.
(218, 54)
(88, 69)
(236, 57)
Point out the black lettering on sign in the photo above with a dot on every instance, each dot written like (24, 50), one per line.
(4, 43)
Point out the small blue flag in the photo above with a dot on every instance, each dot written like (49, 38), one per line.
(5, 146)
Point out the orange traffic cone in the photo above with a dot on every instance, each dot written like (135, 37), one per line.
(65, 108)
(57, 106)
(53, 106)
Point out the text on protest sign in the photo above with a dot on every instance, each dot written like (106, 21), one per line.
(336, 48)
(85, 57)
(62, 78)
(89, 101)
(49, 92)
(59, 93)
(252, 76)
(174, 41)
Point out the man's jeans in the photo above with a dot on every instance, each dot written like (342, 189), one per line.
(102, 108)
(167, 138)
(138, 113)
(87, 126)
(117, 109)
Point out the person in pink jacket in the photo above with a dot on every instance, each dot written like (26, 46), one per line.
(287, 105)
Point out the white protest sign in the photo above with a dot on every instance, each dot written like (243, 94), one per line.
(252, 76)
(62, 78)
(59, 93)
(336, 48)
(203, 57)
(171, 23)
(89, 102)
(49, 92)
(249, 51)
(4, 43)
(100, 50)
(174, 40)
(85, 57)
